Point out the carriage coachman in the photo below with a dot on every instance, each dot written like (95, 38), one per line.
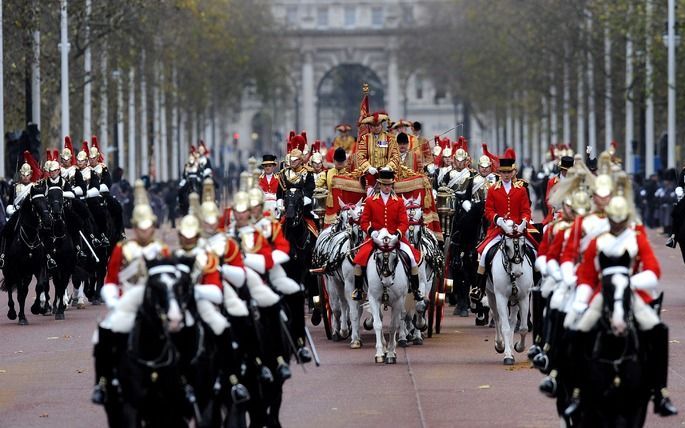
(384, 210)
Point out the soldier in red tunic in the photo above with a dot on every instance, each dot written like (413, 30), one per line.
(507, 208)
(385, 210)
(624, 239)
(564, 165)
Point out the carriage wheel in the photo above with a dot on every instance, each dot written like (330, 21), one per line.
(325, 307)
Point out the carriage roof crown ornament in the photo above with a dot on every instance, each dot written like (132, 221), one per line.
(143, 217)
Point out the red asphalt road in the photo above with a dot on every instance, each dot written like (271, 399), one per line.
(454, 379)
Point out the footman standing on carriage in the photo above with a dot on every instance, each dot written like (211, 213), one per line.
(618, 258)
(384, 210)
(376, 150)
(507, 208)
(124, 290)
(268, 181)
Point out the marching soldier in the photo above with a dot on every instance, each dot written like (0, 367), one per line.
(376, 150)
(124, 289)
(385, 210)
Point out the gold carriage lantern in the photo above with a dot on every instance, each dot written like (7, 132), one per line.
(445, 207)
(320, 198)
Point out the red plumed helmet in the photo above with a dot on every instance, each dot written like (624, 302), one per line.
(494, 159)
(551, 152)
(304, 135)
(94, 143)
(298, 142)
(68, 144)
(35, 167)
(316, 147)
(84, 147)
(509, 154)
(48, 155)
(55, 155)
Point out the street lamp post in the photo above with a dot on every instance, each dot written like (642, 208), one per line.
(671, 40)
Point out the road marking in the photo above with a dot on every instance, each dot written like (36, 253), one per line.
(416, 389)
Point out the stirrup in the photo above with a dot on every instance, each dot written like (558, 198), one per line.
(663, 406)
(52, 264)
(2, 261)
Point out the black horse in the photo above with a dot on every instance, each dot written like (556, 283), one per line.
(59, 243)
(25, 252)
(146, 387)
(108, 214)
(191, 184)
(465, 234)
(210, 364)
(612, 377)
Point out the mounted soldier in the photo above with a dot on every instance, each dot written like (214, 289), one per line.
(98, 167)
(297, 176)
(124, 289)
(203, 161)
(507, 208)
(384, 210)
(29, 174)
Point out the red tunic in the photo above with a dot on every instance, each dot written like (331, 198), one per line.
(514, 206)
(268, 186)
(644, 260)
(117, 259)
(378, 215)
(550, 209)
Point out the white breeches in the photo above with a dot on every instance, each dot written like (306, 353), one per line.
(407, 250)
(280, 281)
(211, 315)
(495, 241)
(645, 316)
(234, 305)
(259, 291)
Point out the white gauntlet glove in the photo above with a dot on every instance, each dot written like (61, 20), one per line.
(521, 227)
(505, 225)
(372, 170)
(466, 205)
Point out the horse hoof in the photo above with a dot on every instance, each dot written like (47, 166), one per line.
(23, 321)
(380, 359)
(344, 334)
(418, 341)
(533, 351)
(46, 311)
(12, 314)
(356, 344)
(402, 343)
(95, 302)
(335, 337)
(509, 361)
(519, 346)
(499, 347)
(391, 360)
(35, 308)
(59, 317)
(368, 324)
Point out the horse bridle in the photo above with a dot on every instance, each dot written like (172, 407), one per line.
(516, 259)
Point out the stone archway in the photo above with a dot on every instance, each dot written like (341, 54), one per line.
(339, 95)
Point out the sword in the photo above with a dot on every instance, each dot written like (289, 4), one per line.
(317, 361)
(97, 260)
(459, 125)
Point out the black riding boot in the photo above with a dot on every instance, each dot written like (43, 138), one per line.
(271, 319)
(538, 322)
(228, 357)
(295, 303)
(414, 284)
(576, 351)
(104, 353)
(657, 369)
(477, 290)
(358, 292)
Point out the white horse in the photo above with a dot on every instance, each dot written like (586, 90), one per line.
(508, 291)
(334, 251)
(414, 315)
(388, 285)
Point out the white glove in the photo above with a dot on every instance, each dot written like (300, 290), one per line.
(182, 183)
(466, 205)
(110, 295)
(679, 192)
(307, 201)
(68, 195)
(431, 169)
(374, 234)
(372, 170)
(505, 226)
(541, 265)
(568, 274)
(92, 193)
(645, 280)
(521, 227)
(104, 188)
(10, 210)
